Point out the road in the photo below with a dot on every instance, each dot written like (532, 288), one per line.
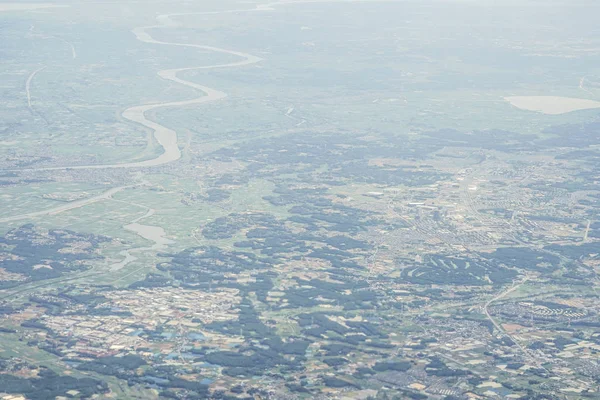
(587, 231)
(496, 324)
(73, 51)
(28, 86)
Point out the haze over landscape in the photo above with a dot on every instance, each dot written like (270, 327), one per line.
(319, 199)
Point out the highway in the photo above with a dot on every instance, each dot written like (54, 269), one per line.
(496, 324)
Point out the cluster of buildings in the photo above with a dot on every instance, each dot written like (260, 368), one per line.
(158, 318)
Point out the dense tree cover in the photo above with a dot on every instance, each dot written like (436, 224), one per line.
(39, 256)
(309, 152)
(310, 293)
(197, 387)
(84, 304)
(587, 155)
(392, 366)
(216, 195)
(212, 259)
(83, 298)
(335, 349)
(320, 225)
(122, 367)
(275, 238)
(526, 258)
(576, 251)
(55, 305)
(304, 167)
(367, 328)
(248, 323)
(268, 354)
(314, 211)
(226, 227)
(537, 345)
(207, 266)
(442, 270)
(128, 368)
(294, 387)
(364, 372)
(6, 309)
(35, 324)
(335, 382)
(248, 365)
(319, 325)
(416, 396)
(232, 179)
(151, 281)
(362, 171)
(292, 346)
(514, 365)
(277, 242)
(493, 139)
(437, 367)
(335, 361)
(579, 135)
(49, 385)
(561, 342)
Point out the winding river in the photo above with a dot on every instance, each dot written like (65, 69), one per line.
(164, 136)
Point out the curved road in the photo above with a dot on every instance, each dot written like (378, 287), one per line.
(497, 325)
(28, 85)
